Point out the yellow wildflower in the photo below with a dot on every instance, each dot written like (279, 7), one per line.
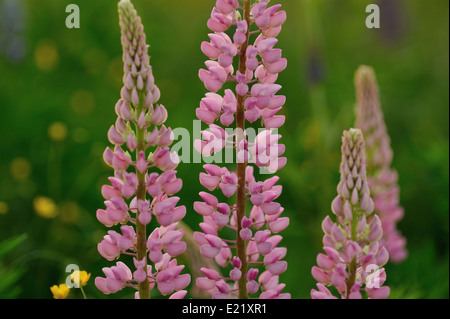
(60, 292)
(82, 276)
(45, 207)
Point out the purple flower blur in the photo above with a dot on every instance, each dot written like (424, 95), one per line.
(382, 178)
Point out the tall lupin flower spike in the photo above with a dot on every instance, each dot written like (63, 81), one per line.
(353, 255)
(254, 234)
(136, 196)
(382, 178)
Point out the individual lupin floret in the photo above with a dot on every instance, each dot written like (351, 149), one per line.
(137, 193)
(353, 258)
(382, 177)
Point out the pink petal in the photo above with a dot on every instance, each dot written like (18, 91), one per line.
(274, 122)
(176, 249)
(279, 225)
(325, 262)
(178, 295)
(100, 283)
(379, 293)
(320, 275)
(145, 218)
(277, 19)
(205, 116)
(114, 136)
(271, 208)
(277, 67)
(208, 251)
(216, 26)
(272, 56)
(205, 283)
(166, 287)
(182, 281)
(113, 285)
(264, 248)
(227, 189)
(208, 181)
(277, 267)
(203, 208)
(209, 50)
(173, 187)
(103, 218)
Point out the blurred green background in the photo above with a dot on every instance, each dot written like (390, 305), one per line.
(58, 88)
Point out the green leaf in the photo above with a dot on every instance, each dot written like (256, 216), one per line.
(10, 277)
(10, 244)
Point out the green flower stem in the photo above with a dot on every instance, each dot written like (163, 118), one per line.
(141, 231)
(352, 267)
(82, 291)
(240, 244)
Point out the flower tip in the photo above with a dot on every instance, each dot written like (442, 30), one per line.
(365, 75)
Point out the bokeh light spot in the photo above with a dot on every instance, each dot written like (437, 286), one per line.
(82, 102)
(69, 211)
(80, 135)
(57, 131)
(20, 168)
(45, 207)
(46, 55)
(4, 208)
(94, 61)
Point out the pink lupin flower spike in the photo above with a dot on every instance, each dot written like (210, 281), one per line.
(353, 255)
(137, 194)
(253, 251)
(382, 177)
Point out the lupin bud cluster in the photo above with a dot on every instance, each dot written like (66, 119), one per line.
(353, 258)
(251, 256)
(137, 192)
(382, 178)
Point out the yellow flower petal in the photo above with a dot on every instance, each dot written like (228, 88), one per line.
(82, 276)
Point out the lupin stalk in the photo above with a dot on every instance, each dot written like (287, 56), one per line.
(141, 192)
(254, 97)
(353, 258)
(383, 179)
(240, 194)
